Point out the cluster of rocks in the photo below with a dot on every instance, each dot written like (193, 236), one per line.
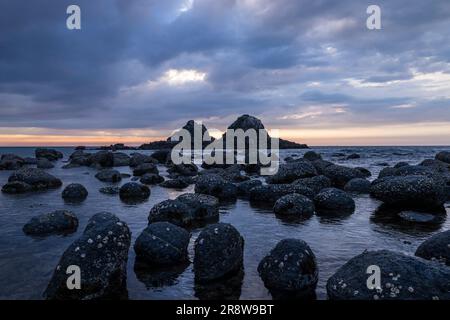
(30, 179)
(44, 159)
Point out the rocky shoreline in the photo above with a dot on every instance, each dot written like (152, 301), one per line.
(304, 186)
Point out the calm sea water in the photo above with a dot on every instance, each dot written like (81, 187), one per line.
(26, 263)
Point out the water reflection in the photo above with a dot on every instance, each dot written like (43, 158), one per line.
(156, 277)
(225, 289)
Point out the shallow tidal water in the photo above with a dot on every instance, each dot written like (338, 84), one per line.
(27, 263)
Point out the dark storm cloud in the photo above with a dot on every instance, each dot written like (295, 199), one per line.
(261, 57)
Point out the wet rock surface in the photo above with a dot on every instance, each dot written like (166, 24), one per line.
(56, 222)
(403, 278)
(436, 248)
(162, 243)
(218, 253)
(290, 270)
(133, 191)
(294, 205)
(333, 201)
(74, 192)
(30, 179)
(101, 253)
(109, 175)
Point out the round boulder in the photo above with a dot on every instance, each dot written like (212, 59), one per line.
(290, 269)
(219, 252)
(402, 278)
(109, 175)
(134, 191)
(57, 222)
(332, 200)
(74, 192)
(436, 248)
(151, 178)
(162, 243)
(144, 168)
(215, 185)
(358, 185)
(294, 204)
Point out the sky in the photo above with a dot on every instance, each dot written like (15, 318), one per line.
(139, 69)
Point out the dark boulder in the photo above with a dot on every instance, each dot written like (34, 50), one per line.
(410, 191)
(332, 200)
(290, 270)
(292, 171)
(402, 278)
(358, 185)
(401, 164)
(36, 179)
(316, 183)
(139, 158)
(185, 170)
(340, 175)
(215, 185)
(161, 155)
(187, 210)
(365, 172)
(44, 163)
(353, 156)
(162, 243)
(244, 187)
(178, 183)
(49, 154)
(219, 252)
(443, 156)
(57, 222)
(30, 161)
(121, 159)
(101, 253)
(294, 204)
(232, 173)
(312, 156)
(11, 162)
(134, 191)
(272, 192)
(74, 192)
(321, 165)
(109, 175)
(144, 168)
(436, 248)
(151, 178)
(102, 159)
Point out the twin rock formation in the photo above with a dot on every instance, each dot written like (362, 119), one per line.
(244, 122)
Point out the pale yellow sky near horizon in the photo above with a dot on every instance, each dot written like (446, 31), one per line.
(404, 134)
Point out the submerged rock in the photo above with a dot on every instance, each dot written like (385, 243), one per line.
(151, 178)
(333, 201)
(43, 163)
(185, 170)
(290, 270)
(219, 253)
(358, 185)
(187, 210)
(133, 191)
(178, 183)
(294, 204)
(162, 243)
(312, 156)
(109, 190)
(402, 278)
(410, 191)
(11, 162)
(436, 248)
(56, 222)
(49, 154)
(30, 179)
(109, 175)
(75, 192)
(101, 253)
(144, 168)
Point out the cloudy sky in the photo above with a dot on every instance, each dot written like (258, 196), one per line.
(140, 68)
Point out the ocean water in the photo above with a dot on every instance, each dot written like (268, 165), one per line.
(27, 263)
